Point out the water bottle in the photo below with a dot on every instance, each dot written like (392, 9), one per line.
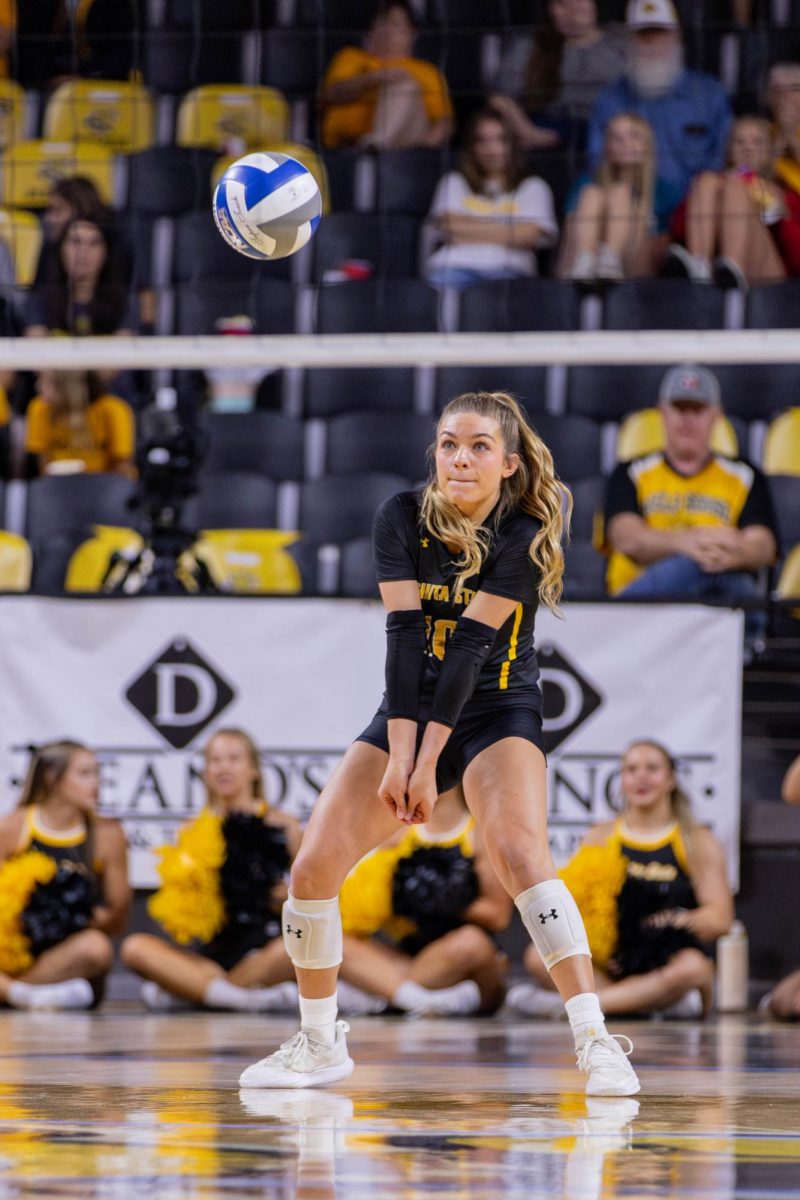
(732, 970)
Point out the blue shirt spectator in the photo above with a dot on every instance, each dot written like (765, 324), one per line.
(688, 111)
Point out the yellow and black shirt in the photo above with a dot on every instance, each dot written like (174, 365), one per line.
(726, 491)
(71, 846)
(405, 549)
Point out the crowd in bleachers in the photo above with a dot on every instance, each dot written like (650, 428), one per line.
(567, 155)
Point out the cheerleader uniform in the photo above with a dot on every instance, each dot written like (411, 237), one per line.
(657, 880)
(69, 847)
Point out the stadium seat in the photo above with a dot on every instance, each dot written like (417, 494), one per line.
(775, 306)
(12, 112)
(378, 441)
(199, 252)
(584, 572)
(330, 14)
(406, 180)
(28, 169)
(458, 53)
(503, 306)
(527, 384)
(588, 503)
(642, 432)
(785, 491)
(262, 443)
(233, 500)
(788, 584)
(340, 508)
(292, 60)
(470, 14)
(756, 391)
(270, 303)
(21, 233)
(166, 181)
(574, 443)
(663, 304)
(120, 115)
(357, 569)
(608, 393)
(387, 243)
(175, 61)
(65, 503)
(217, 116)
(377, 306)
(341, 167)
(782, 444)
(345, 389)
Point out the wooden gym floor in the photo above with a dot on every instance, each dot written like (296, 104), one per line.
(123, 1104)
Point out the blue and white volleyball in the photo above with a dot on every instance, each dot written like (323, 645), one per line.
(267, 205)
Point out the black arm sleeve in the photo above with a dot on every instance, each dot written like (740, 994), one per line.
(393, 558)
(467, 651)
(405, 662)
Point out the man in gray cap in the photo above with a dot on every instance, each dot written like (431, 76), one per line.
(686, 523)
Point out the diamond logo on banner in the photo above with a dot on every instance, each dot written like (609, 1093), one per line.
(180, 693)
(569, 698)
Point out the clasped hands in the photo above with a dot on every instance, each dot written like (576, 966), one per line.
(409, 791)
(714, 548)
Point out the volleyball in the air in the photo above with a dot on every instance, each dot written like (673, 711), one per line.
(267, 205)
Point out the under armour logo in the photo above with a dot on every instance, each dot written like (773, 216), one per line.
(546, 916)
(298, 933)
(424, 542)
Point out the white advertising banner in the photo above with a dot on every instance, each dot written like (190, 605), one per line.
(144, 682)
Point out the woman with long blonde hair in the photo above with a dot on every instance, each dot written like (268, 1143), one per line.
(617, 220)
(462, 567)
(673, 899)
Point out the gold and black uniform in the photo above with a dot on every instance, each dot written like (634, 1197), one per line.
(507, 700)
(71, 847)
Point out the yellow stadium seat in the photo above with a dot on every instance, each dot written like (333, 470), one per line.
(89, 563)
(250, 561)
(304, 154)
(782, 444)
(224, 116)
(29, 169)
(22, 234)
(121, 115)
(12, 111)
(15, 563)
(642, 432)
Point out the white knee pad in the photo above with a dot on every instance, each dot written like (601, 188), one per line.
(553, 920)
(312, 932)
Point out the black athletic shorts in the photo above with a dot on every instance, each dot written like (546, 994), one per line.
(484, 720)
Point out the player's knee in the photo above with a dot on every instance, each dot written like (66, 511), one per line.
(310, 879)
(95, 953)
(312, 932)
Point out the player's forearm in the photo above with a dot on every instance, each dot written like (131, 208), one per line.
(434, 741)
(402, 736)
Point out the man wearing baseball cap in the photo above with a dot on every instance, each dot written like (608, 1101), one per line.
(686, 523)
(688, 110)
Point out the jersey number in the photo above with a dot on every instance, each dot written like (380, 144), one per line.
(438, 633)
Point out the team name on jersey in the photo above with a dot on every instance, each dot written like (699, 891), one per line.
(441, 592)
(690, 502)
(653, 872)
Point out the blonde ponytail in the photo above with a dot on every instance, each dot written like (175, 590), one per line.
(534, 488)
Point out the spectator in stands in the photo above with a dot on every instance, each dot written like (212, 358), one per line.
(617, 221)
(654, 893)
(63, 884)
(222, 888)
(790, 790)
(689, 111)
(71, 197)
(85, 291)
(490, 218)
(742, 216)
(379, 96)
(8, 27)
(432, 895)
(685, 523)
(550, 78)
(72, 425)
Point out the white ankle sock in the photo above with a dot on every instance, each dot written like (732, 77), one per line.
(461, 998)
(585, 1017)
(221, 993)
(318, 1018)
(70, 993)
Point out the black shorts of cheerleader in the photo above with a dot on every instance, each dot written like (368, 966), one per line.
(485, 719)
(230, 946)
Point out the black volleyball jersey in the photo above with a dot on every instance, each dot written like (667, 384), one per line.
(404, 549)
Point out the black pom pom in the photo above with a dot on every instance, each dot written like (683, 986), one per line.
(256, 858)
(433, 886)
(640, 948)
(58, 908)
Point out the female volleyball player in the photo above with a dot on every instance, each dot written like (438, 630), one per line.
(63, 884)
(461, 568)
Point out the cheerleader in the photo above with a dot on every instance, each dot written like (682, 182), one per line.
(63, 884)
(433, 896)
(654, 894)
(222, 887)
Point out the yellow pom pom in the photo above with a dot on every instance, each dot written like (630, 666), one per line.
(365, 900)
(595, 876)
(189, 904)
(18, 878)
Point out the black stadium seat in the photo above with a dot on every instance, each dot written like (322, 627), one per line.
(387, 242)
(785, 491)
(528, 384)
(165, 181)
(340, 508)
(574, 443)
(663, 304)
(346, 389)
(608, 393)
(775, 306)
(406, 180)
(378, 441)
(357, 569)
(60, 503)
(378, 306)
(269, 302)
(503, 306)
(262, 443)
(232, 500)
